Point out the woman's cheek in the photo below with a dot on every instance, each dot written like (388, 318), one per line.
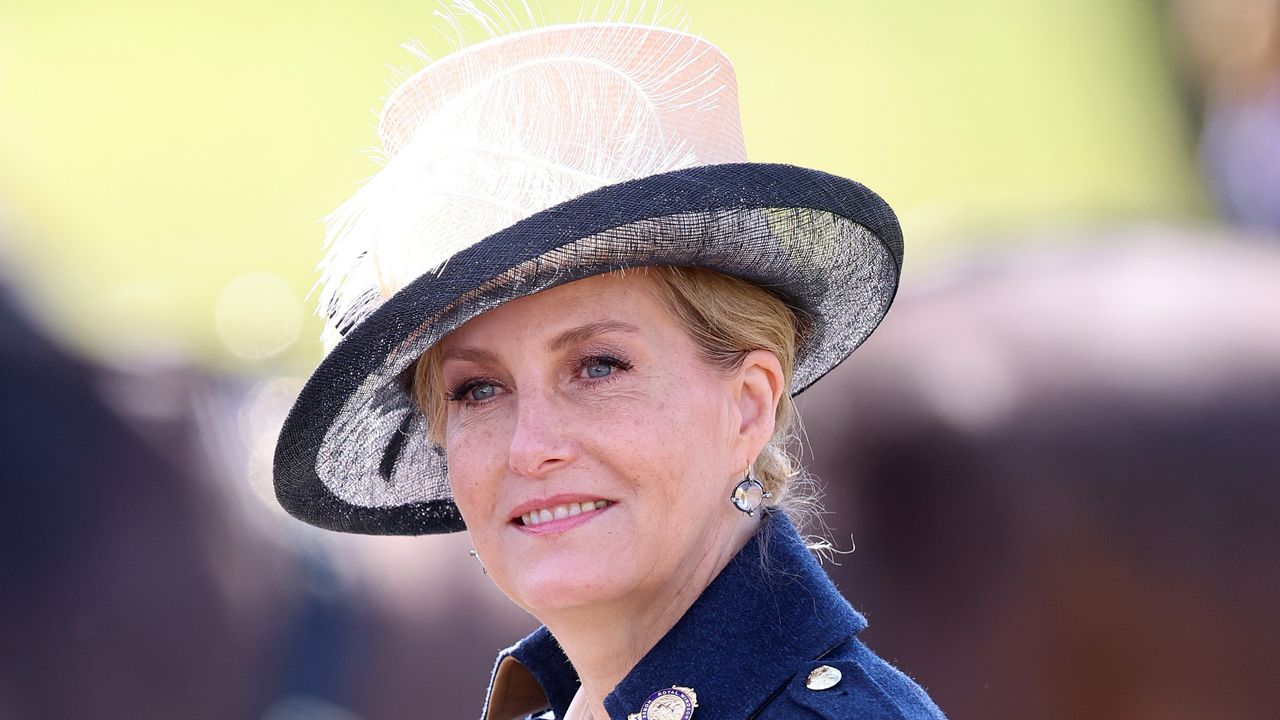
(479, 428)
(476, 458)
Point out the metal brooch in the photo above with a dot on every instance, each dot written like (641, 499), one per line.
(673, 703)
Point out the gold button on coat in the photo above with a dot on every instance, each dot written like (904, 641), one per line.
(822, 678)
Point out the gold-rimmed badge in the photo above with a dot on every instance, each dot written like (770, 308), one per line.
(673, 703)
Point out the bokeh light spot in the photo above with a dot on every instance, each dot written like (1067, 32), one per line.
(258, 316)
(262, 414)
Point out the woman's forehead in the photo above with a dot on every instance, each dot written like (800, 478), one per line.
(613, 302)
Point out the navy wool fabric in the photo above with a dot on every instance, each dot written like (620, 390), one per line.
(747, 646)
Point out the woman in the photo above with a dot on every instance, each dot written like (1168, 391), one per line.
(569, 287)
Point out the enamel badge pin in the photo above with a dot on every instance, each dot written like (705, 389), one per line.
(673, 703)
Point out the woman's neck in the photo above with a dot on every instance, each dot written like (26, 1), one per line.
(605, 641)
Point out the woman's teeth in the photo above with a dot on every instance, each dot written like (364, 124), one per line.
(559, 512)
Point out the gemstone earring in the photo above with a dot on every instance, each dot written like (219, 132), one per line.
(749, 495)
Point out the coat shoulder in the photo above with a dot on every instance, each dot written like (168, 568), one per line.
(851, 682)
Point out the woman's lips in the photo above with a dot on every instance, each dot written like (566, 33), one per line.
(557, 514)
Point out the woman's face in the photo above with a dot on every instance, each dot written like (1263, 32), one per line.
(591, 450)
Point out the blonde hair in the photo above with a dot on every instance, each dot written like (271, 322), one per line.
(726, 318)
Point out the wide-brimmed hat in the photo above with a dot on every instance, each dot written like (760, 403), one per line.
(532, 160)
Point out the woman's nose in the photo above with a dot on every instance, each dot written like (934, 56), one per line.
(540, 442)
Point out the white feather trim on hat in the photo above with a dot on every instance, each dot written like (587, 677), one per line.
(514, 125)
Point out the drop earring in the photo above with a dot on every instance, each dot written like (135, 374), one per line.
(472, 552)
(749, 495)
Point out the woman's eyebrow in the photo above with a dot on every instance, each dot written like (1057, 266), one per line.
(475, 355)
(585, 332)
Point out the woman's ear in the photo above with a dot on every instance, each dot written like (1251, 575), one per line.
(760, 385)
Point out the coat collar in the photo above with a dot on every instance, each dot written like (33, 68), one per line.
(769, 610)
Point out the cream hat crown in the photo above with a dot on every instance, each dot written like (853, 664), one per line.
(514, 125)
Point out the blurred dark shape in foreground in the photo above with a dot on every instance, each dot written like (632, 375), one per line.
(131, 586)
(1062, 468)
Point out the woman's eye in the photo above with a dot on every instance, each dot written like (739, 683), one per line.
(474, 392)
(597, 370)
(600, 368)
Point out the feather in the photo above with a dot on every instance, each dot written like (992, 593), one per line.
(510, 126)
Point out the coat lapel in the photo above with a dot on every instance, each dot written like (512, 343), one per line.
(769, 611)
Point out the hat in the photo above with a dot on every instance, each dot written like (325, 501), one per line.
(532, 160)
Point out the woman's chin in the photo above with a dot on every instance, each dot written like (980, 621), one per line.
(558, 586)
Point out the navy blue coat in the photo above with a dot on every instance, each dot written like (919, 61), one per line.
(746, 647)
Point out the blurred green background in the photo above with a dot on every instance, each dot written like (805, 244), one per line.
(163, 166)
(1059, 464)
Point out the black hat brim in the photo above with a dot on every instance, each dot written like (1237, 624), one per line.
(829, 247)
